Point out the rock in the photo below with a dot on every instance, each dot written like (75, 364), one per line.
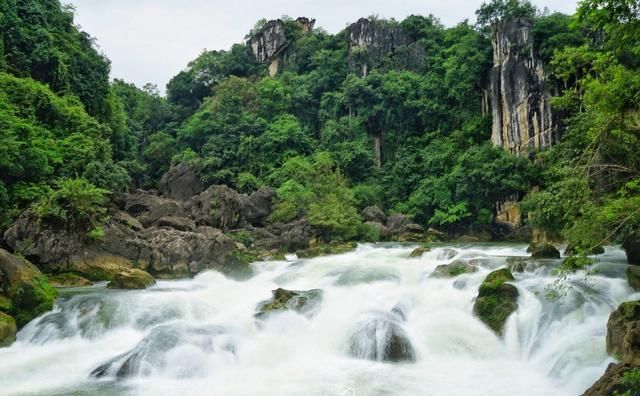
(149, 208)
(571, 250)
(303, 302)
(396, 222)
(452, 270)
(380, 336)
(543, 251)
(496, 300)
(26, 287)
(374, 214)
(126, 219)
(133, 278)
(623, 333)
(633, 277)
(178, 223)
(68, 280)
(447, 254)
(613, 381)
(154, 351)
(419, 251)
(631, 246)
(8, 330)
(355, 275)
(519, 94)
(221, 207)
(517, 264)
(374, 43)
(326, 250)
(294, 236)
(181, 182)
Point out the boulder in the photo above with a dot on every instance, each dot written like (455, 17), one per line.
(631, 246)
(381, 229)
(294, 236)
(326, 249)
(452, 270)
(181, 182)
(447, 254)
(374, 214)
(8, 330)
(304, 302)
(68, 280)
(496, 300)
(27, 289)
(133, 278)
(221, 207)
(615, 381)
(623, 333)
(149, 208)
(419, 251)
(154, 351)
(380, 336)
(396, 222)
(178, 223)
(543, 250)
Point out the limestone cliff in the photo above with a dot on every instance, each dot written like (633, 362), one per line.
(270, 43)
(373, 43)
(519, 92)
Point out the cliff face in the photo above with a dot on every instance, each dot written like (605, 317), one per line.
(270, 44)
(373, 43)
(519, 93)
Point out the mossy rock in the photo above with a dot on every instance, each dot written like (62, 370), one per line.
(496, 300)
(27, 288)
(8, 330)
(236, 264)
(543, 251)
(326, 250)
(304, 302)
(419, 251)
(517, 264)
(5, 304)
(68, 280)
(452, 270)
(623, 333)
(132, 279)
(633, 277)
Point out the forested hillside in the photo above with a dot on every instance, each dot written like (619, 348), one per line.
(337, 124)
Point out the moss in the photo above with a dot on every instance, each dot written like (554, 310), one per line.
(419, 251)
(8, 330)
(132, 279)
(68, 280)
(31, 298)
(242, 236)
(237, 264)
(496, 300)
(326, 250)
(5, 304)
(454, 269)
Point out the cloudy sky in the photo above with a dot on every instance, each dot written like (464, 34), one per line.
(152, 40)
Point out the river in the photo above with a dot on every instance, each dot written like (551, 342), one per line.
(200, 336)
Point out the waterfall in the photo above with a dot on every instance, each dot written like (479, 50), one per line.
(382, 327)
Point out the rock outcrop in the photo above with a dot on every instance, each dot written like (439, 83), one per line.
(496, 300)
(68, 280)
(623, 333)
(133, 278)
(631, 246)
(181, 182)
(270, 43)
(519, 92)
(25, 292)
(374, 42)
(303, 302)
(613, 381)
(8, 330)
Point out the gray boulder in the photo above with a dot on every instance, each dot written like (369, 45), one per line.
(374, 214)
(181, 182)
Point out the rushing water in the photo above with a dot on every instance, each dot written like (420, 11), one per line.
(199, 336)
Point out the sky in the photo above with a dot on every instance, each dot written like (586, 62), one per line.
(150, 41)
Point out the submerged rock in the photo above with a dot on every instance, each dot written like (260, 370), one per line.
(496, 300)
(25, 287)
(452, 270)
(447, 254)
(543, 251)
(8, 330)
(623, 333)
(304, 302)
(68, 280)
(152, 353)
(380, 336)
(132, 279)
(419, 251)
(357, 275)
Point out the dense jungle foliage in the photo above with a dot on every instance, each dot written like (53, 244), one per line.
(311, 131)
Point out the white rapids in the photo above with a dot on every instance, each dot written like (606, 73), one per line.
(215, 346)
